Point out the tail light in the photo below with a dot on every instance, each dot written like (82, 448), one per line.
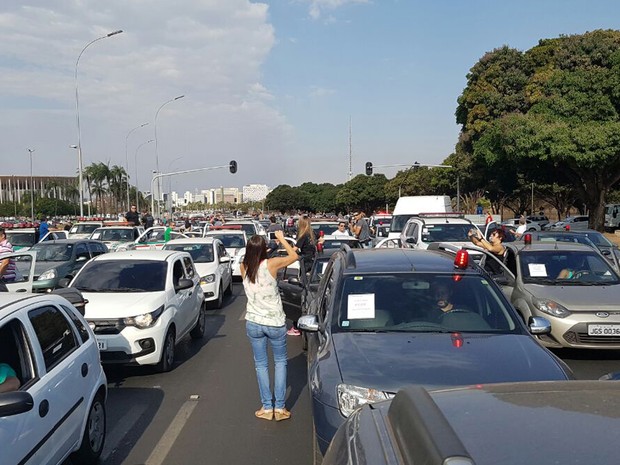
(527, 239)
(461, 260)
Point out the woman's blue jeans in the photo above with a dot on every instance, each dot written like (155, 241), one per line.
(276, 335)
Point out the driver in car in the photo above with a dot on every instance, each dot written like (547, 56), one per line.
(8, 379)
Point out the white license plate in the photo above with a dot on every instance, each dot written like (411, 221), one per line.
(103, 345)
(603, 330)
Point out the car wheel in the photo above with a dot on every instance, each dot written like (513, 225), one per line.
(167, 354)
(94, 434)
(198, 331)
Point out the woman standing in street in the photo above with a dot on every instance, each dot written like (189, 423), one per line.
(306, 248)
(266, 322)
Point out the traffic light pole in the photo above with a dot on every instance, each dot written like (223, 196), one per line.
(232, 166)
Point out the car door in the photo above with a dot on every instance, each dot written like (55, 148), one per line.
(59, 404)
(499, 271)
(185, 304)
(322, 307)
(24, 263)
(291, 289)
(225, 264)
(81, 256)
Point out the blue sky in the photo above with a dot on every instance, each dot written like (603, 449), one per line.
(271, 84)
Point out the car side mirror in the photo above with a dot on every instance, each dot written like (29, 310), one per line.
(308, 323)
(539, 325)
(81, 258)
(225, 259)
(14, 403)
(184, 283)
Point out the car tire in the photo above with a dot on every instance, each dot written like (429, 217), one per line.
(94, 434)
(166, 362)
(198, 331)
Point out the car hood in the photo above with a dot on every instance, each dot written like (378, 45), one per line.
(41, 267)
(233, 251)
(203, 269)
(107, 305)
(585, 298)
(389, 361)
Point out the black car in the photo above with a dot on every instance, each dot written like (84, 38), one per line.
(378, 323)
(542, 423)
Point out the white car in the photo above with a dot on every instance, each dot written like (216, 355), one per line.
(234, 240)
(420, 230)
(212, 263)
(84, 229)
(141, 304)
(153, 239)
(117, 238)
(58, 410)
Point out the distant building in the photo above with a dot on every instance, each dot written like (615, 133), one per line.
(13, 188)
(255, 192)
(222, 194)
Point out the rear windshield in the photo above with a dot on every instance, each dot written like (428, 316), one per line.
(20, 239)
(446, 232)
(201, 253)
(234, 241)
(83, 228)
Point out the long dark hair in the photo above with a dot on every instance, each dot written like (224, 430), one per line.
(255, 252)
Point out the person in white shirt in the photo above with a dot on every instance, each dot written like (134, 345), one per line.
(342, 230)
(522, 227)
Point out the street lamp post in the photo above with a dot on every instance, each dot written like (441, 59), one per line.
(77, 115)
(127, 160)
(157, 149)
(136, 163)
(31, 188)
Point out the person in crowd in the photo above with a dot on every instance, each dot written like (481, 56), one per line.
(521, 228)
(266, 322)
(360, 229)
(168, 230)
(494, 244)
(274, 225)
(8, 269)
(8, 379)
(342, 230)
(132, 216)
(43, 228)
(147, 219)
(188, 224)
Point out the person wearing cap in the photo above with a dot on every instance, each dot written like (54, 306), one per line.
(361, 229)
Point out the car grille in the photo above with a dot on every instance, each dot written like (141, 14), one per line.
(584, 338)
(107, 326)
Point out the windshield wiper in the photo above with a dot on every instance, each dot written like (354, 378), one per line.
(87, 289)
(544, 281)
(127, 289)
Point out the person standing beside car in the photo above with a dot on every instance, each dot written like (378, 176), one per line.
(8, 270)
(266, 321)
(132, 216)
(361, 230)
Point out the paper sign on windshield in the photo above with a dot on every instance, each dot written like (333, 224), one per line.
(537, 270)
(360, 306)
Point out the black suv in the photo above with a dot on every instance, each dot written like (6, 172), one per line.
(382, 319)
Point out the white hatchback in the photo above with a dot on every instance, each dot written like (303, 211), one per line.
(212, 263)
(141, 304)
(235, 241)
(58, 410)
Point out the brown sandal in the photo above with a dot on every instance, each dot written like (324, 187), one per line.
(281, 414)
(264, 414)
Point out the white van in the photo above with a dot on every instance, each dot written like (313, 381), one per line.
(406, 207)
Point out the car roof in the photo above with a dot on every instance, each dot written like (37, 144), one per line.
(400, 261)
(67, 241)
(157, 255)
(9, 298)
(192, 240)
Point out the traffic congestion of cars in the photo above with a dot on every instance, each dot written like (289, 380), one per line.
(411, 332)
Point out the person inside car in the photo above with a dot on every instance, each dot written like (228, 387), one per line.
(8, 379)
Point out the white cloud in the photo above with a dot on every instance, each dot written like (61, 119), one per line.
(318, 92)
(317, 7)
(210, 50)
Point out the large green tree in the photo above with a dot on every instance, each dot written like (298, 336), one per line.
(554, 108)
(363, 192)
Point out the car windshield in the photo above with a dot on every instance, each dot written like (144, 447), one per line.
(599, 239)
(561, 267)
(122, 276)
(18, 239)
(234, 241)
(248, 228)
(113, 234)
(83, 228)
(327, 228)
(423, 302)
(201, 253)
(52, 252)
(566, 237)
(446, 232)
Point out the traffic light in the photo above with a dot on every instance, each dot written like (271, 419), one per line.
(233, 166)
(368, 168)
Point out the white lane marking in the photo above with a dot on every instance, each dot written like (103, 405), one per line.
(121, 429)
(164, 445)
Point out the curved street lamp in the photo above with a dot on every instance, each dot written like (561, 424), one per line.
(156, 147)
(127, 160)
(77, 113)
(136, 162)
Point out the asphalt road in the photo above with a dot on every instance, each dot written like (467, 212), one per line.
(202, 412)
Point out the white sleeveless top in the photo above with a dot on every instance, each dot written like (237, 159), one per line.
(264, 304)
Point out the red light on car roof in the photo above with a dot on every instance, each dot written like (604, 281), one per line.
(567, 227)
(461, 260)
(527, 239)
(457, 340)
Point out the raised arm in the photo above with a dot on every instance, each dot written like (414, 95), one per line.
(274, 264)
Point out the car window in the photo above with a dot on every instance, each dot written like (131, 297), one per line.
(16, 351)
(96, 249)
(53, 252)
(122, 276)
(201, 253)
(81, 329)
(177, 272)
(189, 266)
(54, 333)
(81, 251)
(564, 267)
(423, 302)
(234, 241)
(445, 232)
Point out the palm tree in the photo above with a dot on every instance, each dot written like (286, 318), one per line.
(117, 183)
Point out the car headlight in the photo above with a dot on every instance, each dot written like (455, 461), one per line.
(49, 274)
(351, 397)
(146, 320)
(551, 307)
(207, 279)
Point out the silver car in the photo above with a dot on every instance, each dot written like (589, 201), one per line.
(572, 285)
